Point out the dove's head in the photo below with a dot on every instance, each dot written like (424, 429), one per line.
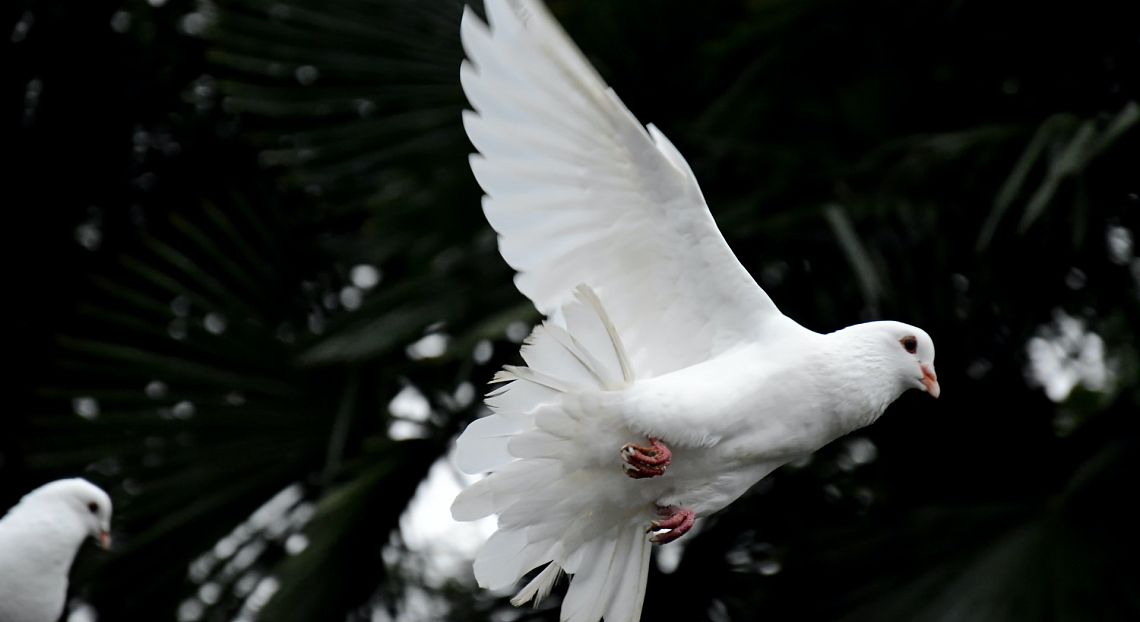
(76, 502)
(899, 355)
(909, 352)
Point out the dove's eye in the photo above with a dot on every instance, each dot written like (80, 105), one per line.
(93, 507)
(909, 343)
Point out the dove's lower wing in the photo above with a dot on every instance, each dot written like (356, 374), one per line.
(580, 192)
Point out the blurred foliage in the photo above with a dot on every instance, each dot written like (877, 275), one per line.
(204, 181)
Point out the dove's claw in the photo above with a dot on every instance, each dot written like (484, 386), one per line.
(676, 522)
(641, 462)
(641, 472)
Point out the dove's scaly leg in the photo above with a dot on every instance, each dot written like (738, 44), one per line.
(640, 462)
(677, 521)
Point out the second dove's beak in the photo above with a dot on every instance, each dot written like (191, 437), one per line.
(930, 380)
(105, 540)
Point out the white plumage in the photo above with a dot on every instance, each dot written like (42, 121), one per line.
(39, 538)
(580, 192)
(656, 331)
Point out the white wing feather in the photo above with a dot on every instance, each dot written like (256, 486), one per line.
(580, 192)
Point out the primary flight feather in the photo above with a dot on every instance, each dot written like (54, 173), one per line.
(665, 382)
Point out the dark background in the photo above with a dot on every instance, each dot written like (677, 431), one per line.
(191, 184)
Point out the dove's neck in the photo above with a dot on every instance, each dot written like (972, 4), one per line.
(46, 535)
(861, 376)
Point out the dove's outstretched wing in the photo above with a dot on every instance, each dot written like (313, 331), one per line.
(581, 193)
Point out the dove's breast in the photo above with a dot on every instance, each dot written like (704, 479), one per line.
(33, 578)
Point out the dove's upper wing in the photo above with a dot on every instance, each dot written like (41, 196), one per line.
(580, 192)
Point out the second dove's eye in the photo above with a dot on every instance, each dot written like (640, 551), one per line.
(93, 507)
(910, 344)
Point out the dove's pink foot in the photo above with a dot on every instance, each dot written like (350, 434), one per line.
(640, 462)
(676, 521)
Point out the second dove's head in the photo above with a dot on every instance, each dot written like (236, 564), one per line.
(80, 500)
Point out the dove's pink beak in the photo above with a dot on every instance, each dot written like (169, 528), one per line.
(930, 380)
(105, 540)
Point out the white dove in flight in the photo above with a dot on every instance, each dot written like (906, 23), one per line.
(665, 382)
(39, 538)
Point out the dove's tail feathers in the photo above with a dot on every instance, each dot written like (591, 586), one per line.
(539, 587)
(585, 355)
(559, 504)
(609, 578)
(580, 351)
